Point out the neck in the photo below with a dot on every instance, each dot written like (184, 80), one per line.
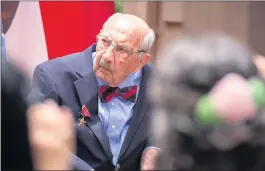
(118, 82)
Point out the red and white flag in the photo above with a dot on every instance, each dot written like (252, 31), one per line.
(44, 30)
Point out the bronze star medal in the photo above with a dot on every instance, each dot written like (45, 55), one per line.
(82, 121)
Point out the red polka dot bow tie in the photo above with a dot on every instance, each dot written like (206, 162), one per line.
(106, 93)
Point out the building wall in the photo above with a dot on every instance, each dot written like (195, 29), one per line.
(171, 20)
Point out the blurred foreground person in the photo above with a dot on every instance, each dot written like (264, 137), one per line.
(44, 140)
(209, 107)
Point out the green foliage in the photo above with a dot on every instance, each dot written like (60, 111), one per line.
(119, 4)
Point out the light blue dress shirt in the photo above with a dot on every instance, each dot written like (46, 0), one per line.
(116, 114)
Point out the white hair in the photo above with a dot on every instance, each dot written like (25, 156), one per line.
(113, 17)
(148, 39)
(147, 43)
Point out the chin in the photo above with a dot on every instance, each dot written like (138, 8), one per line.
(112, 85)
(107, 77)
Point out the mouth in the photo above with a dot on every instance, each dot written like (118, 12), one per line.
(102, 70)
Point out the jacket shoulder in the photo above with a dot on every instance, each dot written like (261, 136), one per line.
(68, 63)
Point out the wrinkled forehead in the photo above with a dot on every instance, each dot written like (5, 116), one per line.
(123, 31)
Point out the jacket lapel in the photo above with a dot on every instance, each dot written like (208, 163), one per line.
(87, 91)
(139, 110)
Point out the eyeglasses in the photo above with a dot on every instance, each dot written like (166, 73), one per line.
(104, 43)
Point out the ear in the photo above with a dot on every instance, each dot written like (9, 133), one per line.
(145, 59)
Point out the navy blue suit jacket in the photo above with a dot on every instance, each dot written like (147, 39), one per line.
(70, 81)
(79, 164)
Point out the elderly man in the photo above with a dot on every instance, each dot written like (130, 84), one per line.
(105, 87)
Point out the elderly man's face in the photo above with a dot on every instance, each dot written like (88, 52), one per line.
(116, 53)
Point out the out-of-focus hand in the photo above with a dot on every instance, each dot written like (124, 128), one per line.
(51, 134)
(149, 159)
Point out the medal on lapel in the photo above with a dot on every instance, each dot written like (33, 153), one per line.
(85, 114)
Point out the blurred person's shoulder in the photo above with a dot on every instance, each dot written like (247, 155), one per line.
(14, 89)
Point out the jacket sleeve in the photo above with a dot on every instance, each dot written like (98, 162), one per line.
(42, 86)
(79, 164)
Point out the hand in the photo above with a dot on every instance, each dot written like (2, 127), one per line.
(51, 134)
(149, 159)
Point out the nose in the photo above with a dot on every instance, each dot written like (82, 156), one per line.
(108, 54)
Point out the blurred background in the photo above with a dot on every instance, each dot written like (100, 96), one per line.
(65, 27)
(242, 20)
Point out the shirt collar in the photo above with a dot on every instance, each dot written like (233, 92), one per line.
(132, 79)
